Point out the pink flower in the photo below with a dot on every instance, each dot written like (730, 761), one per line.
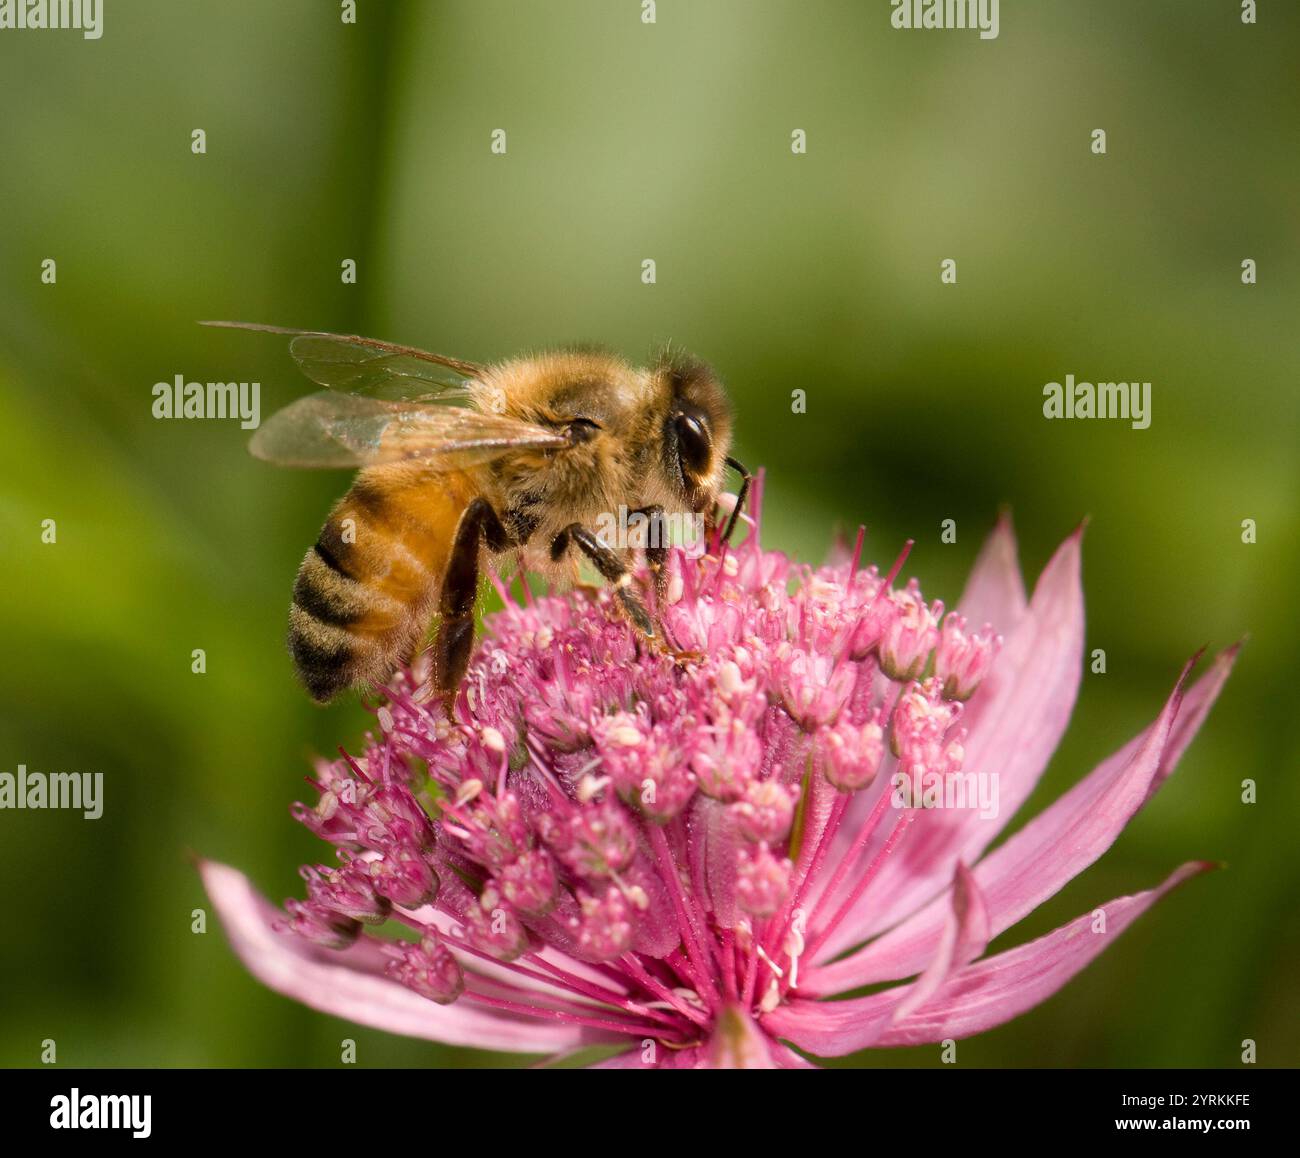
(681, 859)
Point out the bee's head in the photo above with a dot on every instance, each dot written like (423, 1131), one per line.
(696, 429)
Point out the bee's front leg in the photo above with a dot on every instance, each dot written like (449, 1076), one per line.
(613, 568)
(656, 549)
(479, 524)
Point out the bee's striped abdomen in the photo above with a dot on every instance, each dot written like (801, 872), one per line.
(363, 593)
(327, 602)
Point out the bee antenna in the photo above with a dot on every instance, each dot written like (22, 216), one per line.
(745, 479)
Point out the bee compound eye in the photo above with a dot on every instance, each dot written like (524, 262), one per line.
(694, 442)
(581, 430)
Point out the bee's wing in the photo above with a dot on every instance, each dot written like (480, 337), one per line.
(367, 366)
(347, 430)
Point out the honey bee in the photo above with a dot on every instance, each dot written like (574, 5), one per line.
(460, 462)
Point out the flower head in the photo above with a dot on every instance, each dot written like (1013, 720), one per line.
(613, 844)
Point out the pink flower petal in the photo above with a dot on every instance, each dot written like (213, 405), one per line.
(633, 1059)
(350, 983)
(974, 999)
(1051, 850)
(964, 936)
(1016, 720)
(995, 592)
(1004, 986)
(787, 1059)
(1196, 706)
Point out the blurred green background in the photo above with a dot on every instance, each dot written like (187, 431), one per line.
(820, 272)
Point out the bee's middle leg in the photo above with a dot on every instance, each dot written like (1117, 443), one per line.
(612, 567)
(478, 524)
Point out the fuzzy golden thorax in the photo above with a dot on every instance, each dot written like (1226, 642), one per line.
(625, 448)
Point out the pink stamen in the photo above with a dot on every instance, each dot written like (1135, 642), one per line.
(527, 1009)
(877, 863)
(856, 562)
(699, 964)
(663, 993)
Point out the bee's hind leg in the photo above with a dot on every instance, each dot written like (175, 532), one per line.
(452, 647)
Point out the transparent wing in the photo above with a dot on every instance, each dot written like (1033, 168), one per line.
(346, 430)
(369, 367)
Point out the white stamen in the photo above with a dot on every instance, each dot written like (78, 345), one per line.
(794, 946)
(690, 997)
(635, 895)
(731, 683)
(590, 786)
(624, 735)
(468, 791)
(770, 963)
